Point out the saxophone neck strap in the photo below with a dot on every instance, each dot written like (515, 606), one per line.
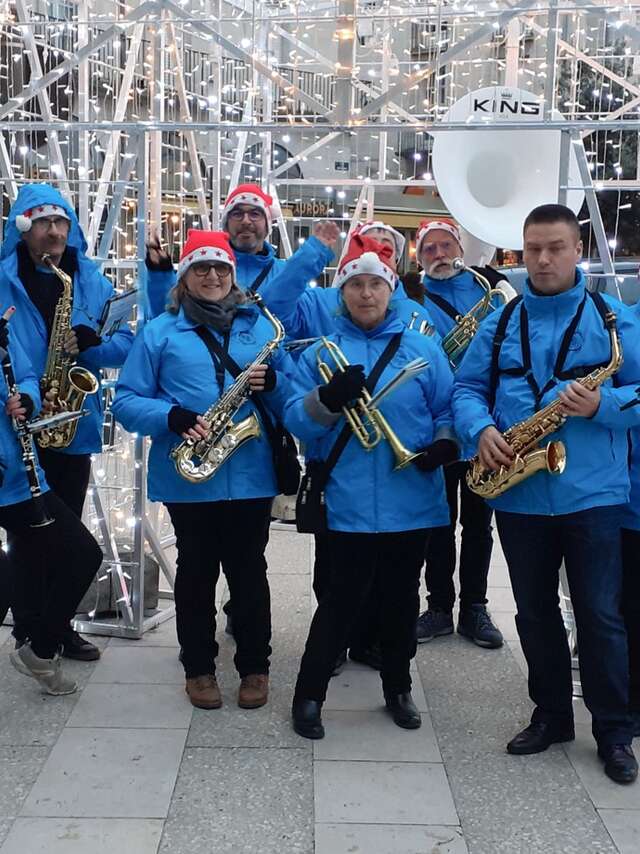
(444, 305)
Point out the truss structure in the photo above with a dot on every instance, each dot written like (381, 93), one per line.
(144, 114)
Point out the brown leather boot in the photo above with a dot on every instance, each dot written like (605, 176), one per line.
(203, 692)
(254, 691)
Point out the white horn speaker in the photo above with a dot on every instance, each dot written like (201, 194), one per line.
(491, 180)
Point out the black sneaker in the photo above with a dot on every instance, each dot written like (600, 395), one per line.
(76, 647)
(433, 623)
(475, 623)
(619, 762)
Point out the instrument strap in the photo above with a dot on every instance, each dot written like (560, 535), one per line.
(259, 279)
(370, 383)
(443, 305)
(525, 371)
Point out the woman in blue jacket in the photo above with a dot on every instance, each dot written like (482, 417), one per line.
(378, 519)
(48, 567)
(168, 381)
(555, 335)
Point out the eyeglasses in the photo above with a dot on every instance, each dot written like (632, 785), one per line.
(44, 223)
(203, 268)
(254, 214)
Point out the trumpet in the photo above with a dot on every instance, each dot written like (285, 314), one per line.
(424, 327)
(368, 424)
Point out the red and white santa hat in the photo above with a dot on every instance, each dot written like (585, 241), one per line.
(249, 194)
(211, 246)
(24, 220)
(372, 224)
(432, 225)
(365, 255)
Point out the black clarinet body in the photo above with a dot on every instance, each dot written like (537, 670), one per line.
(40, 516)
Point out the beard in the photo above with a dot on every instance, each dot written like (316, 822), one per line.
(441, 270)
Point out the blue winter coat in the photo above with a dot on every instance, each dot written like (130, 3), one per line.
(462, 292)
(631, 513)
(364, 494)
(596, 473)
(15, 486)
(306, 263)
(91, 290)
(308, 312)
(169, 365)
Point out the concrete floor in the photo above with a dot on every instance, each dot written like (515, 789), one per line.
(127, 765)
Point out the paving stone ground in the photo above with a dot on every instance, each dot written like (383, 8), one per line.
(126, 765)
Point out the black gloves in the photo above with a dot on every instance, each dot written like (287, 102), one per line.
(343, 387)
(27, 403)
(86, 337)
(270, 379)
(162, 265)
(439, 453)
(180, 420)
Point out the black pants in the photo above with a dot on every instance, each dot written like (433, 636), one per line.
(365, 632)
(475, 554)
(356, 558)
(234, 533)
(68, 477)
(631, 610)
(589, 543)
(50, 569)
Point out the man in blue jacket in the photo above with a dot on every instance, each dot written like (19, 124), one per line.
(42, 222)
(448, 295)
(555, 335)
(247, 216)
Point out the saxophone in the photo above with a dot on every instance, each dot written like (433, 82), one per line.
(197, 460)
(525, 436)
(69, 382)
(458, 339)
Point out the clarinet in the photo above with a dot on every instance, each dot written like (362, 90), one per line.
(40, 516)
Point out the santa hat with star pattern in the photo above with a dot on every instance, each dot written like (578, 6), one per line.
(426, 226)
(372, 225)
(366, 255)
(210, 246)
(249, 194)
(24, 220)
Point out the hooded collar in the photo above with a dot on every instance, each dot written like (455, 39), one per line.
(565, 303)
(255, 258)
(30, 196)
(444, 287)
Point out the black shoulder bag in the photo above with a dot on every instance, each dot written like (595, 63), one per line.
(311, 511)
(283, 446)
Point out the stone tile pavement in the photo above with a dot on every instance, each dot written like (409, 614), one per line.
(126, 765)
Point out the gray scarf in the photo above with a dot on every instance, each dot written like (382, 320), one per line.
(219, 315)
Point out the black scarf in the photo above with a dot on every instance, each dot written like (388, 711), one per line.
(218, 315)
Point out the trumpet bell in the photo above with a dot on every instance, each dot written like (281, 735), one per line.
(491, 180)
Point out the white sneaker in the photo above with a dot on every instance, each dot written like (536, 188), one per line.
(46, 671)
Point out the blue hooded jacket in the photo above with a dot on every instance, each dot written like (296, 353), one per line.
(15, 486)
(364, 494)
(596, 473)
(306, 263)
(168, 366)
(631, 513)
(91, 290)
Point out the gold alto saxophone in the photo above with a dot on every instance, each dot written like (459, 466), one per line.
(69, 382)
(458, 339)
(197, 460)
(525, 436)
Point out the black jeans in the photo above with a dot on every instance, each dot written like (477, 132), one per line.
(475, 554)
(589, 543)
(365, 632)
(234, 533)
(50, 569)
(631, 610)
(68, 477)
(356, 558)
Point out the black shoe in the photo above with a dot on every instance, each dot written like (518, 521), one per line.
(433, 624)
(403, 710)
(371, 656)
(306, 718)
(619, 762)
(78, 648)
(537, 737)
(341, 660)
(475, 623)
